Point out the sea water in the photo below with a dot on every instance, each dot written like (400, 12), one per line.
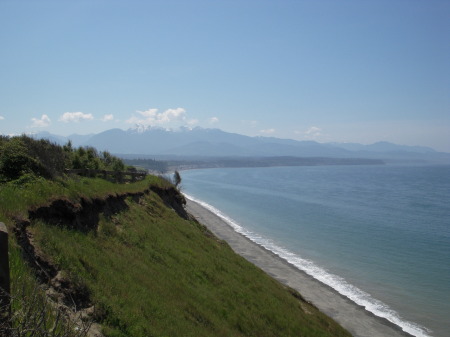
(379, 235)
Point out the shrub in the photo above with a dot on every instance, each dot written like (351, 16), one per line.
(15, 161)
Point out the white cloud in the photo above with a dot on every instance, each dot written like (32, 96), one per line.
(313, 132)
(75, 117)
(133, 120)
(107, 118)
(152, 117)
(213, 120)
(267, 131)
(40, 122)
(150, 113)
(192, 122)
(169, 115)
(2, 118)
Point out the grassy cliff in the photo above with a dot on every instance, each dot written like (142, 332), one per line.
(128, 257)
(148, 271)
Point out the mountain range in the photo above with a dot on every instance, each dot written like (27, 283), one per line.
(200, 142)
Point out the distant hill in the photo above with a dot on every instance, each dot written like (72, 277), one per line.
(384, 147)
(200, 142)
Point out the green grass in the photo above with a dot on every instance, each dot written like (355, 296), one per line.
(16, 199)
(151, 273)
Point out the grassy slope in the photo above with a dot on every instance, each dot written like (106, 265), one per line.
(152, 273)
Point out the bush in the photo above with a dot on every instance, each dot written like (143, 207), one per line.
(15, 161)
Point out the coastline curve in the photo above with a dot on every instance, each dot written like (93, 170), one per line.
(300, 274)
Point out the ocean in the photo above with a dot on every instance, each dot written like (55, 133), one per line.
(379, 235)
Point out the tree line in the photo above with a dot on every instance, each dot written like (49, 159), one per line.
(23, 156)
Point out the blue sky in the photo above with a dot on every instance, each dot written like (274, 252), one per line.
(345, 71)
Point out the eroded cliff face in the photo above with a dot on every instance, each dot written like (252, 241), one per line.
(173, 199)
(83, 216)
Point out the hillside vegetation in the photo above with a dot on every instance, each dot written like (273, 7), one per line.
(130, 257)
(26, 158)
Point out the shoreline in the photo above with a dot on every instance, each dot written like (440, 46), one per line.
(356, 319)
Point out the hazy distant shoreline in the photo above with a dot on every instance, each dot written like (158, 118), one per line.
(268, 162)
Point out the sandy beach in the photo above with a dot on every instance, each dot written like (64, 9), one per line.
(358, 321)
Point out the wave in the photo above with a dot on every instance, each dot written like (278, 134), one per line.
(336, 282)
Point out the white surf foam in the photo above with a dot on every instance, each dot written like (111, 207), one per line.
(336, 282)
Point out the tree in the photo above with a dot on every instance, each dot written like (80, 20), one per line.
(176, 179)
(15, 161)
(117, 164)
(68, 147)
(50, 155)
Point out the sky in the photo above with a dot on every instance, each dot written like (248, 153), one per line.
(331, 71)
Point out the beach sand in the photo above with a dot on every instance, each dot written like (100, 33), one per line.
(354, 318)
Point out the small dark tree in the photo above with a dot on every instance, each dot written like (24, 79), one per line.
(177, 179)
(68, 147)
(107, 158)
